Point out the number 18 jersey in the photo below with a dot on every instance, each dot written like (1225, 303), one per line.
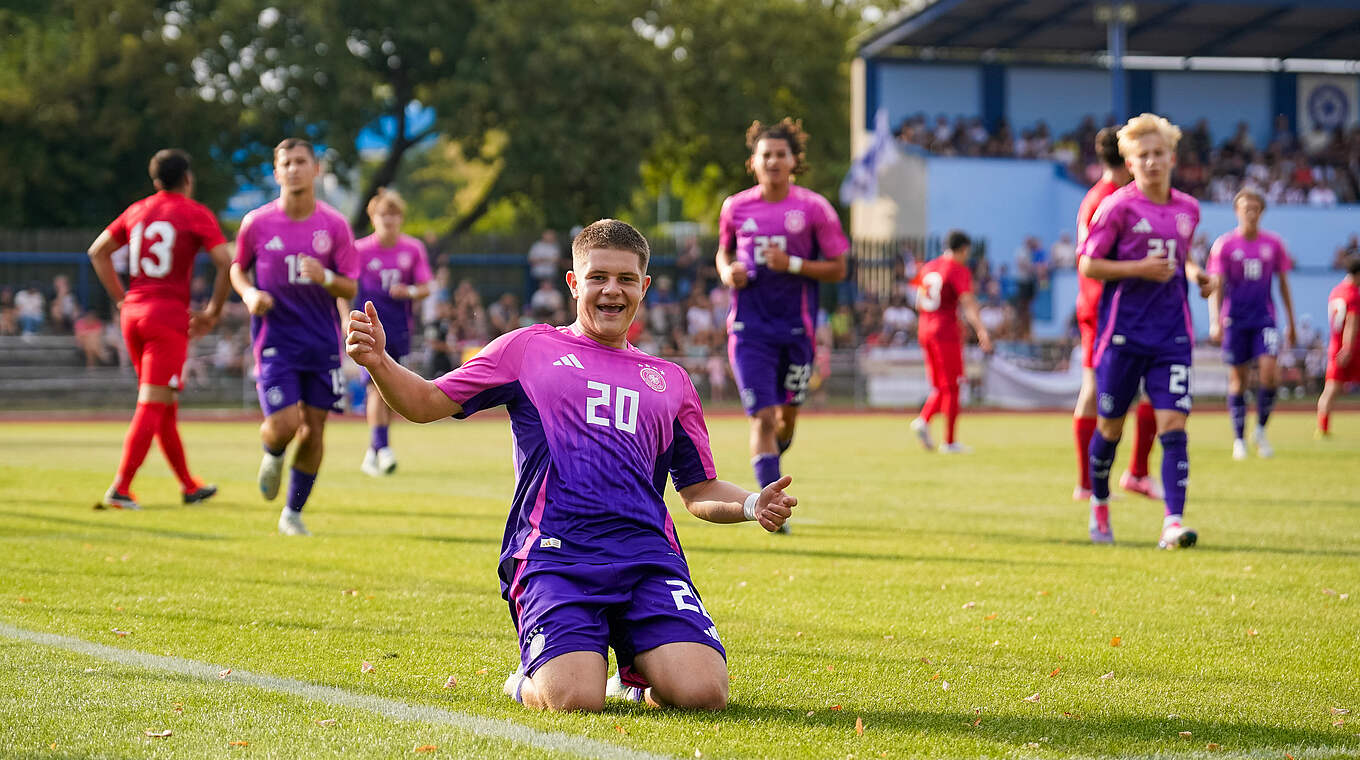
(597, 429)
(163, 233)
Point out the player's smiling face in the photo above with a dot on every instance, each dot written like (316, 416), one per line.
(773, 161)
(608, 287)
(295, 169)
(1151, 161)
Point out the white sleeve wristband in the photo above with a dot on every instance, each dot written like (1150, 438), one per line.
(795, 264)
(328, 278)
(748, 509)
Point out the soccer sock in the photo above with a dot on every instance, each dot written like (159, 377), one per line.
(299, 488)
(932, 405)
(1237, 410)
(1324, 421)
(1144, 433)
(145, 422)
(1175, 470)
(1082, 429)
(379, 438)
(272, 452)
(951, 413)
(1101, 457)
(767, 468)
(173, 448)
(1265, 403)
(784, 443)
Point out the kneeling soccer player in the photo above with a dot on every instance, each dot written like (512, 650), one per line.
(590, 558)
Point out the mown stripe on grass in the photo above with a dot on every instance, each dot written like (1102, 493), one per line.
(391, 708)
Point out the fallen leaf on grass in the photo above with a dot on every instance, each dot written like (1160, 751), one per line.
(1288, 756)
(481, 672)
(224, 673)
(326, 722)
(1339, 711)
(425, 748)
(1032, 745)
(1339, 722)
(24, 600)
(1107, 676)
(926, 661)
(1055, 672)
(119, 633)
(179, 707)
(620, 729)
(1116, 641)
(831, 668)
(167, 733)
(452, 682)
(1033, 697)
(888, 637)
(1212, 747)
(238, 744)
(990, 617)
(811, 713)
(53, 745)
(1329, 591)
(367, 667)
(969, 605)
(977, 722)
(1072, 716)
(859, 726)
(1251, 631)
(937, 675)
(836, 707)
(349, 592)
(1185, 735)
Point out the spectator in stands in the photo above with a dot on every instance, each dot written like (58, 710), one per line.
(9, 313)
(441, 292)
(1282, 140)
(547, 304)
(503, 314)
(899, 322)
(89, 332)
(544, 258)
(1321, 195)
(1064, 252)
(30, 304)
(64, 309)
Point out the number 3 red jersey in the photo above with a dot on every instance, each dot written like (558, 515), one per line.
(938, 287)
(164, 232)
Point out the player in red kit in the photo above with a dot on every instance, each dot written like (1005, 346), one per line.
(163, 232)
(1343, 355)
(1136, 479)
(942, 285)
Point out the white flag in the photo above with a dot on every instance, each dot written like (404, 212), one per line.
(862, 181)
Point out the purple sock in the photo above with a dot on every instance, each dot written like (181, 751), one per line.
(379, 438)
(1175, 470)
(1265, 403)
(271, 452)
(1102, 457)
(767, 468)
(299, 488)
(1237, 410)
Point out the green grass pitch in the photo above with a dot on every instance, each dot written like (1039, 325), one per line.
(951, 606)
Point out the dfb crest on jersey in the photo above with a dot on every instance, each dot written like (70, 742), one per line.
(1238, 254)
(404, 260)
(274, 395)
(653, 378)
(1185, 225)
(321, 242)
(374, 265)
(794, 221)
(1267, 253)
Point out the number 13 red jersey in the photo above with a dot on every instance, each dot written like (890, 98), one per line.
(164, 232)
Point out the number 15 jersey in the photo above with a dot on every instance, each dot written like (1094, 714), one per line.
(1147, 316)
(596, 431)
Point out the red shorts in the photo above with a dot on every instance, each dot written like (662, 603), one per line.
(944, 363)
(1088, 327)
(1346, 374)
(157, 336)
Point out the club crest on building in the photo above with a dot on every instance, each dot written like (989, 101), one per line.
(653, 378)
(794, 221)
(321, 241)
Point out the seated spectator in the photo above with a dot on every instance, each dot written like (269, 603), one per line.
(30, 304)
(547, 304)
(1064, 252)
(89, 332)
(64, 308)
(503, 314)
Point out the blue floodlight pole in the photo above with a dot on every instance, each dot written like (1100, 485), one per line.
(1117, 33)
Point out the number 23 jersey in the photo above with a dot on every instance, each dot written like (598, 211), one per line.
(1142, 314)
(597, 429)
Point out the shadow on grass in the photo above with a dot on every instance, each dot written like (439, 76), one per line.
(95, 524)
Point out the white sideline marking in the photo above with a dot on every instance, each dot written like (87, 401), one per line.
(483, 727)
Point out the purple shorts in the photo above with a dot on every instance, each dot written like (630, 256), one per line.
(770, 371)
(561, 607)
(1165, 378)
(1242, 344)
(280, 386)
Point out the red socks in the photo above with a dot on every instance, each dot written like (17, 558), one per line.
(146, 421)
(1324, 421)
(1145, 433)
(951, 413)
(173, 448)
(1082, 429)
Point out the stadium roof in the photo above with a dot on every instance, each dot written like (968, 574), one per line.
(1267, 30)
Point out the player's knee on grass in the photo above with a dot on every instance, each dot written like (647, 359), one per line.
(566, 696)
(686, 675)
(693, 693)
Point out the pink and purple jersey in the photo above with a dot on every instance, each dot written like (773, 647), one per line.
(303, 327)
(380, 269)
(1247, 268)
(804, 224)
(596, 430)
(1144, 315)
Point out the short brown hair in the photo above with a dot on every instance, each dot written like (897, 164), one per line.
(384, 197)
(613, 235)
(1249, 193)
(294, 142)
(1107, 148)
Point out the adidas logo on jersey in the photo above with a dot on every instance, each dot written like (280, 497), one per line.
(569, 360)
(749, 225)
(275, 244)
(1143, 226)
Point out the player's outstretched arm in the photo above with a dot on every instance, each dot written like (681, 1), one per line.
(204, 321)
(101, 258)
(718, 501)
(1155, 268)
(1288, 299)
(407, 393)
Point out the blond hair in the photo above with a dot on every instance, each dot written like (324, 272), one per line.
(384, 197)
(1146, 124)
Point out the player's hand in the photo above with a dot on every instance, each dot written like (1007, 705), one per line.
(1207, 285)
(202, 322)
(365, 339)
(400, 292)
(776, 258)
(258, 301)
(1157, 268)
(985, 342)
(773, 506)
(734, 275)
(310, 269)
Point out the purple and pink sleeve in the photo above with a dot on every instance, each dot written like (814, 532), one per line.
(245, 252)
(1104, 230)
(830, 236)
(422, 273)
(346, 257)
(692, 461)
(493, 367)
